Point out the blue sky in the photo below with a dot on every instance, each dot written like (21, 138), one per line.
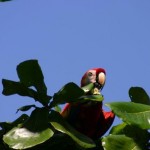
(70, 37)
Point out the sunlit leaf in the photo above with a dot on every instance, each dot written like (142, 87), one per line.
(132, 113)
(139, 135)
(119, 142)
(61, 125)
(69, 93)
(88, 87)
(58, 108)
(33, 132)
(22, 138)
(139, 95)
(118, 129)
(97, 98)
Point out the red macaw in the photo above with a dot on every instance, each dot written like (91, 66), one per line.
(89, 118)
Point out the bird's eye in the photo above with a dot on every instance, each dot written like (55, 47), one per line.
(101, 78)
(90, 74)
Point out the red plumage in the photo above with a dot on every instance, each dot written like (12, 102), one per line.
(89, 118)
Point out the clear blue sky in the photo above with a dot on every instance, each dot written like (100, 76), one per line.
(68, 37)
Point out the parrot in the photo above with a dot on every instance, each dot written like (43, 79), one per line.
(88, 117)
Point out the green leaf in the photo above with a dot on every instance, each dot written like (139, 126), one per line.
(98, 98)
(118, 129)
(132, 113)
(61, 125)
(12, 87)
(25, 108)
(88, 87)
(119, 142)
(33, 132)
(38, 120)
(58, 108)
(69, 93)
(30, 74)
(22, 138)
(139, 95)
(139, 135)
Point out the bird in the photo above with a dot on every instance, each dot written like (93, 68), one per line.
(88, 117)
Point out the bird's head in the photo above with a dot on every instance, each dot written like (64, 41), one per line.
(96, 76)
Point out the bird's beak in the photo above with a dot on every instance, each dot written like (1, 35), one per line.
(97, 88)
(96, 91)
(99, 83)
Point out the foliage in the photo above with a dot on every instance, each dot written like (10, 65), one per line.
(46, 129)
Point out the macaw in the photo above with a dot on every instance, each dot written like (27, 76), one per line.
(89, 118)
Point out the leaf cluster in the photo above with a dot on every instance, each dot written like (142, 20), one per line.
(133, 133)
(45, 128)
